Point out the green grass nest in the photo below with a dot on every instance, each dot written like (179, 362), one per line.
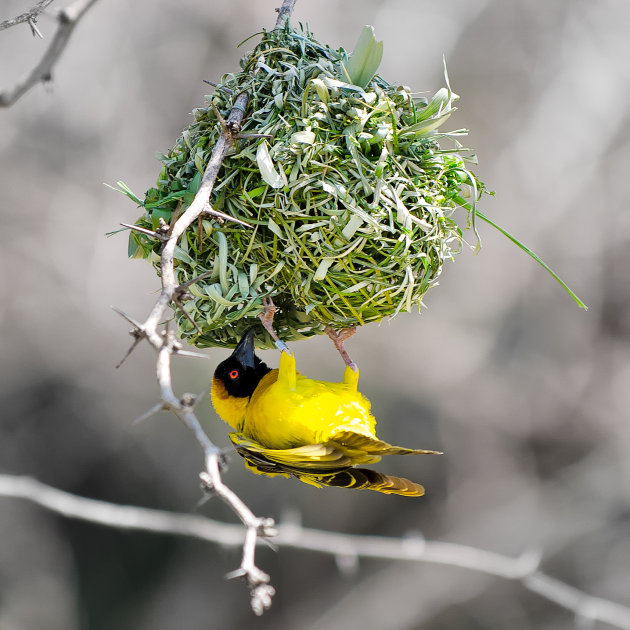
(350, 195)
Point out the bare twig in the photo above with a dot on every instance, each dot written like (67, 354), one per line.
(284, 12)
(158, 235)
(67, 19)
(165, 343)
(523, 569)
(180, 306)
(258, 581)
(219, 86)
(30, 17)
(202, 276)
(224, 217)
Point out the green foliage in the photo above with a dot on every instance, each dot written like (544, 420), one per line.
(350, 195)
(365, 59)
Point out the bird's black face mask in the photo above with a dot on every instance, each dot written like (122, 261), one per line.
(241, 372)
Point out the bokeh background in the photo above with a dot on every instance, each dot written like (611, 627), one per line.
(527, 395)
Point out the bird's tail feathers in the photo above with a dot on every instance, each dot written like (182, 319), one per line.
(349, 442)
(367, 479)
(343, 477)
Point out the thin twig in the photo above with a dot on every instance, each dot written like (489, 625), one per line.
(30, 17)
(67, 19)
(202, 276)
(224, 217)
(186, 314)
(219, 86)
(523, 569)
(165, 343)
(284, 12)
(158, 235)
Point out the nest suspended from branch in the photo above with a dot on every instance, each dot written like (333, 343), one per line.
(350, 194)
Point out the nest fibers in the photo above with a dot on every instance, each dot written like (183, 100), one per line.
(350, 195)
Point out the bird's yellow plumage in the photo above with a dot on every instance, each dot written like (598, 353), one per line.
(287, 424)
(288, 409)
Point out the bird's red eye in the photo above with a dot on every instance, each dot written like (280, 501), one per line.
(233, 374)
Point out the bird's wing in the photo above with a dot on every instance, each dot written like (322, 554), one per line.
(319, 465)
(317, 457)
(358, 445)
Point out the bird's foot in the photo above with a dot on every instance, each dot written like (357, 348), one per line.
(338, 337)
(266, 319)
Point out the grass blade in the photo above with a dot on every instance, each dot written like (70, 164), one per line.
(537, 258)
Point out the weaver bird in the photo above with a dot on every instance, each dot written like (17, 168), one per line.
(287, 424)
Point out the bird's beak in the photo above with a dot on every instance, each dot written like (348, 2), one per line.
(244, 352)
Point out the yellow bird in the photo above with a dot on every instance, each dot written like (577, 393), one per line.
(287, 424)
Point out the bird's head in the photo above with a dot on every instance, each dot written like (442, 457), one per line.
(241, 372)
(235, 380)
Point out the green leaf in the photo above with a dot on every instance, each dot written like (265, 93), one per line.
(305, 137)
(530, 253)
(164, 200)
(322, 90)
(133, 247)
(160, 213)
(125, 190)
(275, 179)
(440, 103)
(365, 59)
(193, 187)
(214, 293)
(180, 254)
(275, 228)
(252, 194)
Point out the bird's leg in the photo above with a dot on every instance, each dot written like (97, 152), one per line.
(266, 319)
(338, 337)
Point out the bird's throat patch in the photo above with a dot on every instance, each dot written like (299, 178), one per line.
(229, 408)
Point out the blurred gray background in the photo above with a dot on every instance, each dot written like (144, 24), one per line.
(527, 395)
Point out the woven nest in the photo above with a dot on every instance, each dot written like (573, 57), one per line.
(349, 195)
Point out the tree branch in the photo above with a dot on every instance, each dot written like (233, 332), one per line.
(30, 16)
(284, 12)
(165, 343)
(67, 19)
(523, 569)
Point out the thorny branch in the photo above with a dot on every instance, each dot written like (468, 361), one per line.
(284, 12)
(67, 19)
(166, 345)
(29, 16)
(523, 569)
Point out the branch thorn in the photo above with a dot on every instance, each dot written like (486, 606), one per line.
(219, 86)
(137, 325)
(34, 30)
(148, 414)
(154, 234)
